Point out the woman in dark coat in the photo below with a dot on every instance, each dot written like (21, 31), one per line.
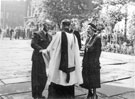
(91, 64)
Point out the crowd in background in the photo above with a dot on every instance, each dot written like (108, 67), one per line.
(18, 32)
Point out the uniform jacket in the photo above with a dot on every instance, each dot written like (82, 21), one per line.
(39, 41)
(77, 34)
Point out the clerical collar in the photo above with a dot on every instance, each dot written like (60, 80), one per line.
(68, 31)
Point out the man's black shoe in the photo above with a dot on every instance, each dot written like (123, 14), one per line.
(35, 98)
(41, 97)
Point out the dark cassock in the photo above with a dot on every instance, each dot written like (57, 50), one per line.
(40, 41)
(77, 34)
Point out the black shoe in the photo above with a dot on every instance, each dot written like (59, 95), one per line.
(90, 96)
(95, 97)
(42, 97)
(35, 98)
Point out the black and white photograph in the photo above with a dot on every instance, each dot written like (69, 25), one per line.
(67, 49)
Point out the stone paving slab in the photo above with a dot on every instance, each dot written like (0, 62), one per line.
(16, 80)
(127, 83)
(114, 74)
(15, 88)
(126, 67)
(79, 91)
(117, 56)
(111, 90)
(18, 96)
(14, 72)
(106, 61)
(12, 75)
(130, 95)
(10, 63)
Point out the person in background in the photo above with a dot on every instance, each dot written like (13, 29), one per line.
(75, 29)
(1, 33)
(91, 63)
(40, 40)
(64, 63)
(11, 33)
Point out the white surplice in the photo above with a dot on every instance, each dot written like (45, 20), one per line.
(52, 58)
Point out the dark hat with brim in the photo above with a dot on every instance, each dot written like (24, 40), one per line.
(66, 22)
(93, 27)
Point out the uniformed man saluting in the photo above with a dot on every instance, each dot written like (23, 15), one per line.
(40, 41)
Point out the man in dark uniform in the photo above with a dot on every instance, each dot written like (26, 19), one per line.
(0, 33)
(39, 42)
(91, 63)
(11, 33)
(77, 33)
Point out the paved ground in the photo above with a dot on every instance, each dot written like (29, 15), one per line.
(117, 73)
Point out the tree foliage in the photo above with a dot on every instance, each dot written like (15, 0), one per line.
(61, 9)
(131, 29)
(111, 12)
(115, 2)
(58, 10)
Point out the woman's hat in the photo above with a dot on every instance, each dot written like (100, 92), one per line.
(93, 27)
